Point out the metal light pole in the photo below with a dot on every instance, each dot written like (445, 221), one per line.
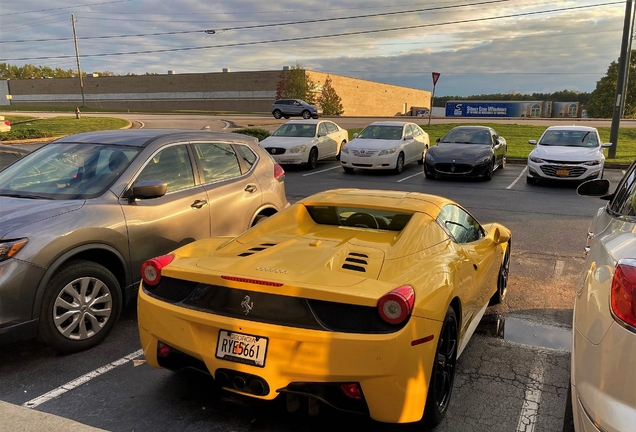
(621, 81)
(79, 69)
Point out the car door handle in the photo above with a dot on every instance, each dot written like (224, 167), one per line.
(199, 203)
(250, 188)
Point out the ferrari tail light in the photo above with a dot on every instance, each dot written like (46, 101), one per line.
(163, 350)
(396, 306)
(623, 297)
(352, 390)
(279, 172)
(151, 269)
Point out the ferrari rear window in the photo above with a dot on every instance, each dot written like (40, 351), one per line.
(359, 217)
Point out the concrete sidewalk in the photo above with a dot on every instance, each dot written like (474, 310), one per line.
(15, 418)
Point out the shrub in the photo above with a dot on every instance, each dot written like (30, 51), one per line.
(258, 133)
(20, 134)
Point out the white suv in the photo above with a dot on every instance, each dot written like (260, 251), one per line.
(567, 153)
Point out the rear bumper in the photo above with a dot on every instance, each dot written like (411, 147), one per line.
(392, 374)
(603, 382)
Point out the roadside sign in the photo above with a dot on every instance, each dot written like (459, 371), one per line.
(435, 77)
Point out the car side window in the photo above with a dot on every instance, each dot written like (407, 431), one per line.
(331, 128)
(416, 130)
(624, 201)
(322, 129)
(408, 130)
(246, 153)
(171, 165)
(462, 226)
(217, 161)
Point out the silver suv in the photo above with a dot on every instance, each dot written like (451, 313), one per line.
(79, 216)
(294, 108)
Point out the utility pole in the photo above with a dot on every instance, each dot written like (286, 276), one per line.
(79, 69)
(621, 81)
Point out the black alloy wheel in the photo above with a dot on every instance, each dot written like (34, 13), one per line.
(421, 161)
(399, 165)
(491, 168)
(340, 149)
(277, 114)
(306, 115)
(502, 279)
(312, 161)
(440, 387)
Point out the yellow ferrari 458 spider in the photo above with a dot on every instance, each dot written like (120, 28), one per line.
(361, 299)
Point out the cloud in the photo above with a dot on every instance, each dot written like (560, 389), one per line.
(475, 51)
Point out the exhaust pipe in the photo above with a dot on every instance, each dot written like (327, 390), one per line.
(257, 387)
(239, 383)
(222, 379)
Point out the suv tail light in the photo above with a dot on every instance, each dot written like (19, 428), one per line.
(623, 297)
(279, 172)
(151, 269)
(396, 306)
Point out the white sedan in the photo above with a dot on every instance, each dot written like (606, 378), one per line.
(305, 142)
(567, 153)
(604, 328)
(385, 145)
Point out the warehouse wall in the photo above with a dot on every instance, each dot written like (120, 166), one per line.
(368, 98)
(222, 91)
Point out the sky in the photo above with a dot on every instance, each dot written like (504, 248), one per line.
(478, 46)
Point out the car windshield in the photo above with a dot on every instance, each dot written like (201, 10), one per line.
(373, 218)
(569, 138)
(381, 132)
(296, 130)
(66, 171)
(467, 136)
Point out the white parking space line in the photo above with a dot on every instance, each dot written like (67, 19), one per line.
(141, 124)
(623, 171)
(558, 268)
(321, 171)
(227, 124)
(518, 178)
(81, 380)
(411, 176)
(532, 399)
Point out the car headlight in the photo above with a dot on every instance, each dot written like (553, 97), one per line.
(9, 248)
(387, 151)
(344, 149)
(430, 157)
(594, 162)
(486, 159)
(536, 159)
(298, 149)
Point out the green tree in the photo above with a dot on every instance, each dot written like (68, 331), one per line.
(296, 84)
(329, 100)
(602, 100)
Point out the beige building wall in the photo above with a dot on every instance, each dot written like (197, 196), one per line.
(368, 98)
(248, 92)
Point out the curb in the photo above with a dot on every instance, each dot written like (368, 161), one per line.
(53, 138)
(20, 419)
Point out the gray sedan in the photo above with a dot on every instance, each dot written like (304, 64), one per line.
(80, 215)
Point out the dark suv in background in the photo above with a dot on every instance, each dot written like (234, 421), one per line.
(295, 107)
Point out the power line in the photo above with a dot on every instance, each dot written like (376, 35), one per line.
(356, 33)
(261, 25)
(65, 7)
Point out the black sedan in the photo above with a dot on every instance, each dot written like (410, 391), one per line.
(466, 151)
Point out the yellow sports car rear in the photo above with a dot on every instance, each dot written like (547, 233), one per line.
(359, 299)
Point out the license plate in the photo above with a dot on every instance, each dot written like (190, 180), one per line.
(241, 348)
(563, 172)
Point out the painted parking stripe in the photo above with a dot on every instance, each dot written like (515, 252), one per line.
(81, 380)
(411, 176)
(532, 400)
(321, 171)
(518, 178)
